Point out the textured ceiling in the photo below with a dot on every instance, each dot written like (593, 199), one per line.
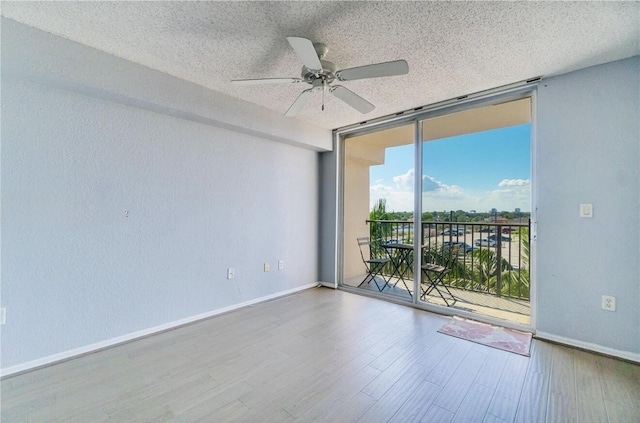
(452, 48)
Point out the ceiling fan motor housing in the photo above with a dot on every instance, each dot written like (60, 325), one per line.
(327, 73)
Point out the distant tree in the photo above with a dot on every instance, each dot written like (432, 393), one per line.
(460, 216)
(406, 216)
(427, 217)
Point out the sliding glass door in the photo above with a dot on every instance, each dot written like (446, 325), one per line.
(455, 234)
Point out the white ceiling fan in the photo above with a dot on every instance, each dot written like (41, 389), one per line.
(320, 74)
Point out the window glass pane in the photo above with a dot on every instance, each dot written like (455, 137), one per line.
(476, 204)
(378, 211)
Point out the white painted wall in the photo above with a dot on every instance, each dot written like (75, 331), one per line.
(208, 182)
(589, 152)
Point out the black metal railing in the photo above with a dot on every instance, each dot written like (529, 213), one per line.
(492, 257)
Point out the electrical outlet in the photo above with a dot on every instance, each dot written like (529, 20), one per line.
(231, 273)
(608, 303)
(281, 265)
(266, 267)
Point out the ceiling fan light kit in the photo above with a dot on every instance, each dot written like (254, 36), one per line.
(320, 74)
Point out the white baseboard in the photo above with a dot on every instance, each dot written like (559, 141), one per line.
(626, 355)
(66, 355)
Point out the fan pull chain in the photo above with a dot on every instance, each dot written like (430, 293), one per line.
(324, 88)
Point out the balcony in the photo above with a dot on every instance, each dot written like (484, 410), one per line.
(489, 275)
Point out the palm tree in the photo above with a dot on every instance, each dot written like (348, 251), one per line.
(485, 270)
(516, 282)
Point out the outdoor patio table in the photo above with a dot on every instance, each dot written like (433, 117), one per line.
(401, 261)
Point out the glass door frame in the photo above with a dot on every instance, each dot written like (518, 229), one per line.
(526, 89)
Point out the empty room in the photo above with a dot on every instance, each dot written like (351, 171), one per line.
(332, 211)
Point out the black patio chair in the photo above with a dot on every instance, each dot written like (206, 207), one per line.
(434, 274)
(373, 264)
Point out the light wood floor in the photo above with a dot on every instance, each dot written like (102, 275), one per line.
(324, 355)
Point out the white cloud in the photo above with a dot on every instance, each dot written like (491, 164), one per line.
(399, 196)
(404, 182)
(511, 194)
(396, 200)
(429, 183)
(514, 183)
(437, 195)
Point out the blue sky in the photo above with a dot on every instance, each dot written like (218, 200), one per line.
(478, 171)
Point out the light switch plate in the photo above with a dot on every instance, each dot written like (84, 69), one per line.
(586, 210)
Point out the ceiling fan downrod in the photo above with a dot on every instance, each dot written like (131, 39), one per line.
(324, 89)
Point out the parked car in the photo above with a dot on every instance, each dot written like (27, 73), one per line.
(502, 237)
(453, 232)
(484, 242)
(490, 230)
(463, 246)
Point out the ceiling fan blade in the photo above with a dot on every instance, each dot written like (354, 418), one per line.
(262, 81)
(306, 52)
(397, 67)
(352, 99)
(300, 102)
